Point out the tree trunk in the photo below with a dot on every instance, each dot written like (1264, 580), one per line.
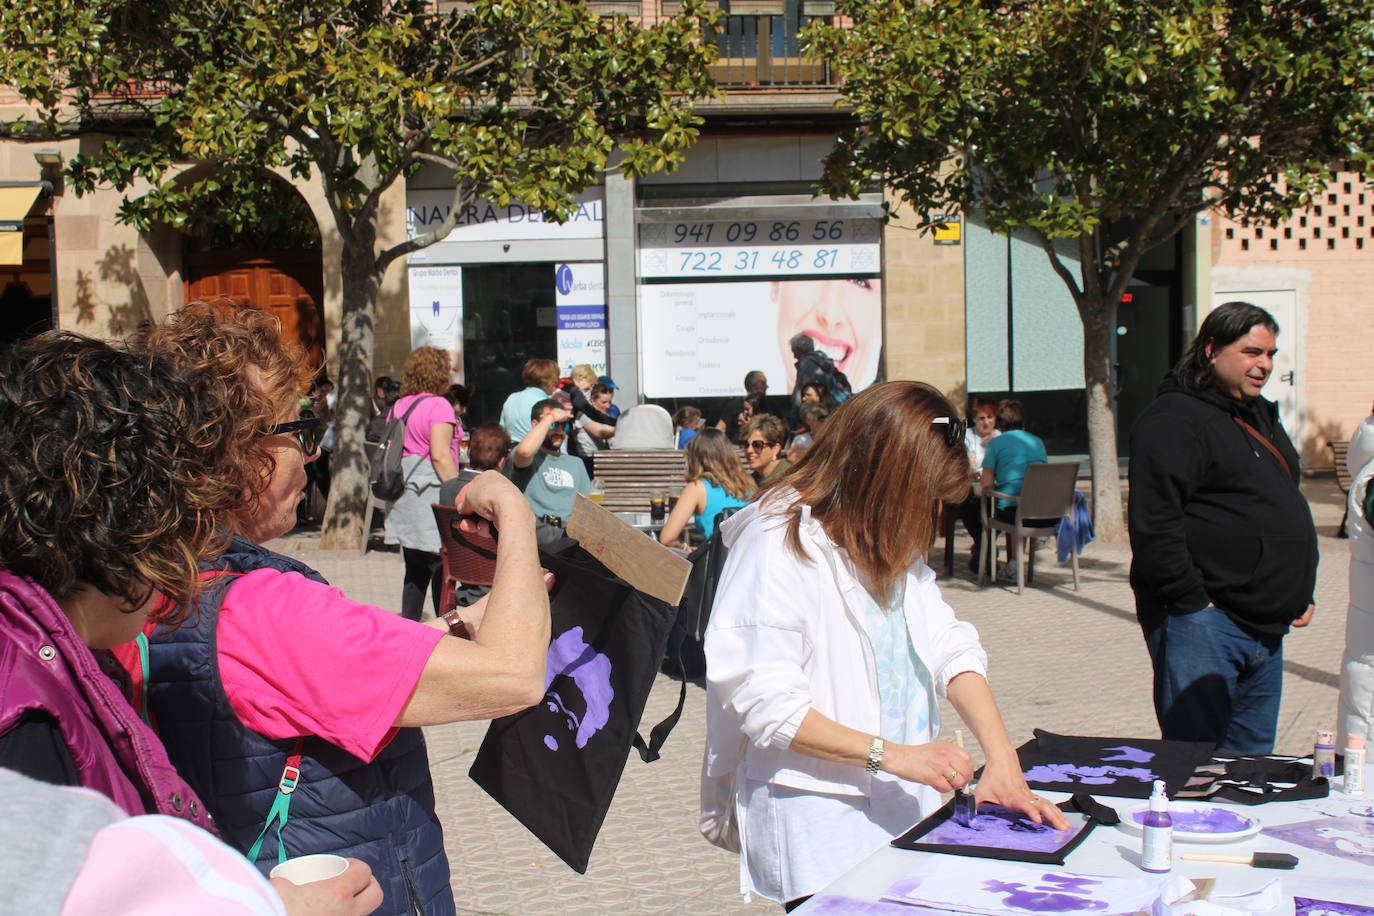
(348, 491)
(1099, 319)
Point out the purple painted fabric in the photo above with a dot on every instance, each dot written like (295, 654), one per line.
(1000, 828)
(1306, 906)
(590, 673)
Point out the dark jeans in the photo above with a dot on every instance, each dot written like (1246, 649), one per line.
(1216, 681)
(424, 571)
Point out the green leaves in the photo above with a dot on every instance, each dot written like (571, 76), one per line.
(1069, 117)
(522, 100)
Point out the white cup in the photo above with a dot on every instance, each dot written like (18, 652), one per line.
(308, 869)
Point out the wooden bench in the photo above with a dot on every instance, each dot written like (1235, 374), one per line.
(1339, 449)
(634, 476)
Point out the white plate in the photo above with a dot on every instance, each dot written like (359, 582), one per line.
(1199, 822)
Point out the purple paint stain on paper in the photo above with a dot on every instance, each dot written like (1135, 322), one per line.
(1043, 899)
(590, 672)
(1000, 828)
(1306, 906)
(1202, 820)
(1132, 754)
(1090, 776)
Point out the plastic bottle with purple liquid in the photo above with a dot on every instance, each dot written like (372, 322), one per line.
(1324, 755)
(1157, 839)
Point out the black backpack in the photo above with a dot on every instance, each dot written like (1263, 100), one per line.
(388, 483)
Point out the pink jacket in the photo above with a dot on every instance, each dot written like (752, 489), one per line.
(45, 666)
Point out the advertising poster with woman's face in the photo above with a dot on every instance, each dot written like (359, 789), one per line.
(699, 340)
(843, 317)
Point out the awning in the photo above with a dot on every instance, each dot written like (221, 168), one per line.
(15, 202)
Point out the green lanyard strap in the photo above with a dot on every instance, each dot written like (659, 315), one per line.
(281, 805)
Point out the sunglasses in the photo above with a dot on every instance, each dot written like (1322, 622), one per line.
(565, 426)
(757, 445)
(307, 430)
(954, 429)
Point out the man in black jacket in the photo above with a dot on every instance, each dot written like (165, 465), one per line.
(1224, 550)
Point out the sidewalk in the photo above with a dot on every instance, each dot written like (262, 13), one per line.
(1061, 660)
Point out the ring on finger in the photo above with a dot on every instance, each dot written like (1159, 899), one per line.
(953, 775)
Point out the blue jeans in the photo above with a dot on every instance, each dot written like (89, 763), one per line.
(1216, 681)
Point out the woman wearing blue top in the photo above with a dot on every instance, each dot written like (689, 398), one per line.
(1005, 460)
(715, 481)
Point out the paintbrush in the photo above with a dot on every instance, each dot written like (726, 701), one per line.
(965, 805)
(1258, 860)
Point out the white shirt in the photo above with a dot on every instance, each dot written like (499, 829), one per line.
(786, 636)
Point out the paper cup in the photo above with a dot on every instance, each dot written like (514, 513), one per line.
(308, 869)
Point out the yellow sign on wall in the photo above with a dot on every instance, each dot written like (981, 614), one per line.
(949, 231)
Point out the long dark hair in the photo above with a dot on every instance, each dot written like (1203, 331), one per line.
(1227, 323)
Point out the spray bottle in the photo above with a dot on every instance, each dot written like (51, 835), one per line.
(1324, 755)
(1354, 765)
(1156, 851)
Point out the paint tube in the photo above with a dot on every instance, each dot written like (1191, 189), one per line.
(1157, 837)
(1354, 765)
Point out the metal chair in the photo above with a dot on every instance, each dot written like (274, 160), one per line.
(1046, 493)
(374, 450)
(468, 558)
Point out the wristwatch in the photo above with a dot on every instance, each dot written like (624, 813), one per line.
(875, 755)
(456, 626)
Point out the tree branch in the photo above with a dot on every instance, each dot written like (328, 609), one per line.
(463, 194)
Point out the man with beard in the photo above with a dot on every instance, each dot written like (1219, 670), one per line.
(1224, 551)
(548, 477)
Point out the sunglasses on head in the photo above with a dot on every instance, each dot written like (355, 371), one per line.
(954, 429)
(757, 445)
(308, 430)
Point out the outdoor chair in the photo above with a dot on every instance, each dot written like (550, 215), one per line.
(468, 558)
(1046, 493)
(1339, 449)
(374, 450)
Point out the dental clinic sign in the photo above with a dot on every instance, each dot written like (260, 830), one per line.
(484, 221)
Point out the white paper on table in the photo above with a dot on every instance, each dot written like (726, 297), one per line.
(996, 888)
(1261, 900)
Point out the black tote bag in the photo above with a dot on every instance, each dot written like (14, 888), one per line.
(556, 765)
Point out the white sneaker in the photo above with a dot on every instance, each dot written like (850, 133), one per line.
(1008, 572)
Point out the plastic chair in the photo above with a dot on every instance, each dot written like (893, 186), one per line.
(468, 558)
(1046, 493)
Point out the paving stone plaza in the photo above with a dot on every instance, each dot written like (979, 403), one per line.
(1071, 662)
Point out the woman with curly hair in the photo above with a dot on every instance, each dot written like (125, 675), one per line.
(280, 680)
(110, 500)
(426, 461)
(828, 646)
(715, 482)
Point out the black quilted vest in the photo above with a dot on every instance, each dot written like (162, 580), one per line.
(380, 812)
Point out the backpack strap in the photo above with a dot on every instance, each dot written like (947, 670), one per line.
(280, 812)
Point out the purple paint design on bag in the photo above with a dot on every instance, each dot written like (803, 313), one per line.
(1000, 828)
(1306, 906)
(1132, 754)
(1088, 776)
(590, 672)
(1210, 820)
(1346, 837)
(1042, 899)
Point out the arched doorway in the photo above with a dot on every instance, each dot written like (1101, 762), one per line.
(271, 261)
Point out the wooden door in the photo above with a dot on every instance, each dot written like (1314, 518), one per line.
(289, 286)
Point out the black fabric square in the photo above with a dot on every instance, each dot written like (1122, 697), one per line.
(1123, 767)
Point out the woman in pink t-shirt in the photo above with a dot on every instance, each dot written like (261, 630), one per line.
(426, 462)
(280, 674)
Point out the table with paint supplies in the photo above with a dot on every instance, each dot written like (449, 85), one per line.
(1165, 828)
